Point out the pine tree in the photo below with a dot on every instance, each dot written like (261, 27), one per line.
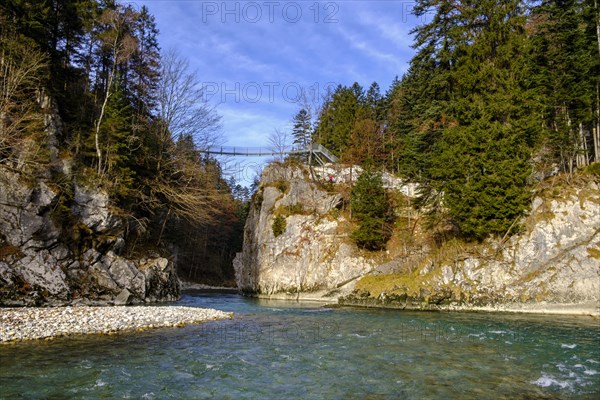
(144, 65)
(302, 130)
(117, 141)
(464, 118)
(421, 100)
(565, 62)
(370, 210)
(482, 160)
(336, 119)
(366, 143)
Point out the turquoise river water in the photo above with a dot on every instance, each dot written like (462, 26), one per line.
(285, 350)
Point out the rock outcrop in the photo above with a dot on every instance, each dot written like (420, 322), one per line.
(309, 255)
(554, 261)
(40, 265)
(314, 254)
(552, 266)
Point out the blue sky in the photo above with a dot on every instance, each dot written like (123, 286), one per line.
(254, 56)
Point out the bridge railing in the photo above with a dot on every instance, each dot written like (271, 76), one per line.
(270, 151)
(244, 151)
(319, 148)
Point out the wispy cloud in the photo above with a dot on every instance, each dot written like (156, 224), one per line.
(369, 42)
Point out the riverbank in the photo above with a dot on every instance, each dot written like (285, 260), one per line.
(589, 309)
(325, 298)
(192, 286)
(18, 324)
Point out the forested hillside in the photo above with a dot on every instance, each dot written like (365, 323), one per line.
(499, 95)
(130, 119)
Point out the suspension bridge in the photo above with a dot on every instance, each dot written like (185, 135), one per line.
(319, 152)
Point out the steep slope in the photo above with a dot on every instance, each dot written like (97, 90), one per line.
(314, 257)
(39, 264)
(552, 266)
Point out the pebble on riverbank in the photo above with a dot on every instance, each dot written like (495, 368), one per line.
(17, 324)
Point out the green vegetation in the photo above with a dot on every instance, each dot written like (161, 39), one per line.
(370, 208)
(594, 169)
(292, 209)
(279, 225)
(498, 96)
(594, 252)
(282, 186)
(128, 120)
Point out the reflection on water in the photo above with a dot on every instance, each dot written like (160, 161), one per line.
(277, 350)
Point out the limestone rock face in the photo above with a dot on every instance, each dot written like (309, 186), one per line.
(91, 206)
(39, 265)
(313, 254)
(554, 260)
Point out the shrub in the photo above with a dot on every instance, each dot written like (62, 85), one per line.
(279, 225)
(594, 169)
(296, 208)
(282, 186)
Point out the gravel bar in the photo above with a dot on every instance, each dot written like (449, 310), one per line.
(17, 324)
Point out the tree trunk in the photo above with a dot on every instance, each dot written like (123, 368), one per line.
(597, 23)
(111, 76)
(162, 228)
(596, 131)
(582, 153)
(310, 168)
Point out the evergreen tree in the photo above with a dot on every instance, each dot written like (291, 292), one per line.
(482, 160)
(566, 63)
(370, 209)
(336, 119)
(97, 60)
(302, 130)
(367, 129)
(144, 65)
(117, 141)
(464, 118)
(395, 116)
(419, 103)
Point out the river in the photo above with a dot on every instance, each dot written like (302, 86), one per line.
(285, 350)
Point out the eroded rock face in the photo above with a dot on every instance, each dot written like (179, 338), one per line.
(554, 260)
(312, 254)
(38, 265)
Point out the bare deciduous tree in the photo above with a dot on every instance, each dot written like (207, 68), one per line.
(184, 182)
(278, 144)
(183, 107)
(21, 120)
(122, 46)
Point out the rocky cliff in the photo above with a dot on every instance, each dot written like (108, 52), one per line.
(314, 255)
(40, 264)
(552, 265)
(60, 240)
